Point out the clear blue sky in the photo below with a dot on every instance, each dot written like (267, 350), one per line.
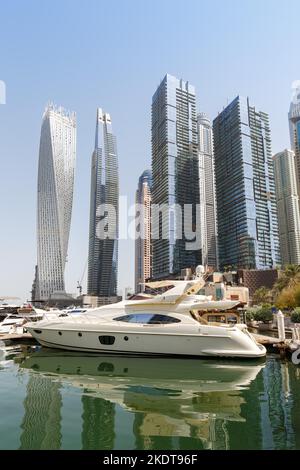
(113, 54)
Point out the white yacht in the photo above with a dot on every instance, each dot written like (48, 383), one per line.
(163, 325)
(7, 308)
(15, 323)
(12, 324)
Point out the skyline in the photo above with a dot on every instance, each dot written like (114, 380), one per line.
(45, 75)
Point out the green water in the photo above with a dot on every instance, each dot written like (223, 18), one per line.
(57, 400)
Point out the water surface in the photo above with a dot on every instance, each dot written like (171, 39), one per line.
(58, 400)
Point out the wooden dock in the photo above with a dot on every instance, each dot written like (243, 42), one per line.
(265, 340)
(275, 345)
(17, 337)
(272, 345)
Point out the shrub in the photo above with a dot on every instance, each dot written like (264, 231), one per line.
(295, 317)
(250, 314)
(297, 295)
(264, 314)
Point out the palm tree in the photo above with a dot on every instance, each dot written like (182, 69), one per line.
(289, 278)
(262, 296)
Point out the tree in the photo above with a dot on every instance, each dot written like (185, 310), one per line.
(289, 298)
(261, 296)
(288, 278)
(264, 314)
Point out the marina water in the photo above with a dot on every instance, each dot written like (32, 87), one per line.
(61, 400)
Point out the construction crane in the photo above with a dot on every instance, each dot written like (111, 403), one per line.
(79, 283)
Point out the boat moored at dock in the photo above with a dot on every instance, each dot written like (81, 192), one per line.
(162, 325)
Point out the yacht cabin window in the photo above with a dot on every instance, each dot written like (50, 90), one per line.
(147, 318)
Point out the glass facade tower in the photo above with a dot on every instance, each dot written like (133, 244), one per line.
(104, 205)
(294, 123)
(287, 206)
(57, 155)
(208, 216)
(174, 172)
(143, 246)
(246, 201)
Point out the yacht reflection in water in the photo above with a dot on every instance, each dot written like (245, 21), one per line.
(172, 399)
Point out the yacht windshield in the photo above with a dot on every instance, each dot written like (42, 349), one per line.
(147, 318)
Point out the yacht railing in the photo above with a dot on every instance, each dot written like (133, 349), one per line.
(77, 317)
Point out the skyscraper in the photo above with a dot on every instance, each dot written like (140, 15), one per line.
(143, 249)
(104, 211)
(208, 215)
(55, 198)
(287, 206)
(294, 122)
(175, 174)
(246, 202)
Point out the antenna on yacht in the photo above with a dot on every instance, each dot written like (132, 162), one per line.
(200, 271)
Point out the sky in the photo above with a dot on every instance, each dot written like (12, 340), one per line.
(113, 54)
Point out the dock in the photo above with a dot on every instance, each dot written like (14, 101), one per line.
(265, 340)
(284, 347)
(17, 337)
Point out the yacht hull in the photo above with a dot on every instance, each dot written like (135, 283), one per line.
(236, 344)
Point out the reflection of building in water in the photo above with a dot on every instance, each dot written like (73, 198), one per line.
(41, 425)
(178, 407)
(295, 387)
(157, 431)
(196, 422)
(210, 406)
(213, 433)
(276, 409)
(271, 410)
(264, 415)
(98, 418)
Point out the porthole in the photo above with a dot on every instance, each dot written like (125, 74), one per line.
(106, 367)
(125, 338)
(38, 331)
(60, 333)
(107, 340)
(80, 334)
